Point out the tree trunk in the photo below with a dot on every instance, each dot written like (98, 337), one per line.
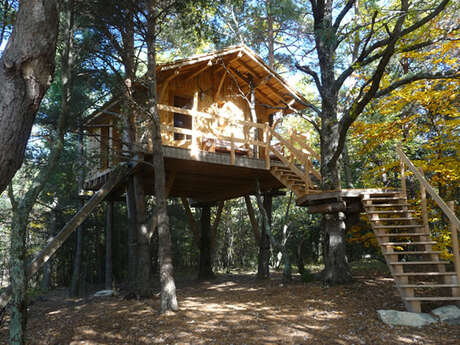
(45, 282)
(263, 267)
(300, 262)
(26, 68)
(143, 266)
(132, 232)
(205, 266)
(108, 246)
(168, 299)
(336, 269)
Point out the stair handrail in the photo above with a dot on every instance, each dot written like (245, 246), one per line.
(448, 211)
(300, 156)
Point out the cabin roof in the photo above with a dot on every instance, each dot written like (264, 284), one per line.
(243, 65)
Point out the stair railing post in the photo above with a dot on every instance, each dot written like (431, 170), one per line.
(454, 233)
(423, 205)
(403, 178)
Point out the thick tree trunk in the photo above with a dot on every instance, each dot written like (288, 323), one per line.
(263, 267)
(168, 299)
(26, 68)
(143, 265)
(336, 269)
(108, 245)
(205, 267)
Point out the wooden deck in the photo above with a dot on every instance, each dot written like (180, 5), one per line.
(202, 176)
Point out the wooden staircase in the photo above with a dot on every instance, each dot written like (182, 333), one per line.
(404, 238)
(419, 273)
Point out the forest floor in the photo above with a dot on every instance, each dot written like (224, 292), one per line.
(234, 309)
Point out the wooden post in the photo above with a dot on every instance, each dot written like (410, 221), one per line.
(307, 174)
(232, 150)
(423, 205)
(268, 138)
(403, 179)
(454, 233)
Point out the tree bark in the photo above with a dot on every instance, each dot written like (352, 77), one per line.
(26, 68)
(205, 267)
(168, 299)
(45, 282)
(108, 246)
(143, 265)
(132, 232)
(336, 269)
(263, 267)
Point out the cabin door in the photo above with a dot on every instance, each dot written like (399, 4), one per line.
(182, 120)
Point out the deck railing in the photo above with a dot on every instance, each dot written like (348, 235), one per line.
(217, 132)
(258, 145)
(448, 210)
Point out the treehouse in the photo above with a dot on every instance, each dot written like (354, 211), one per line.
(218, 115)
(218, 131)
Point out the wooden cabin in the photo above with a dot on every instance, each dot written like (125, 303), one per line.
(218, 134)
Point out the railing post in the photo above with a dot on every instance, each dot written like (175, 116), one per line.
(423, 204)
(454, 233)
(267, 145)
(403, 178)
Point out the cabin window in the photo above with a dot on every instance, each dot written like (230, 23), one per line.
(182, 120)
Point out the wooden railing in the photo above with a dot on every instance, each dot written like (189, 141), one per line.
(294, 153)
(255, 147)
(447, 210)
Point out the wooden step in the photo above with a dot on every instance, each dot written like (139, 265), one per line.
(390, 211)
(429, 286)
(405, 226)
(396, 219)
(414, 252)
(424, 274)
(407, 243)
(432, 298)
(382, 193)
(399, 234)
(419, 263)
(388, 205)
(386, 198)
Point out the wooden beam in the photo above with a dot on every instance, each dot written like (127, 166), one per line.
(194, 74)
(219, 88)
(252, 218)
(166, 83)
(191, 221)
(115, 178)
(332, 207)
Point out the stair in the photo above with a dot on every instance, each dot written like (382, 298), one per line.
(419, 274)
(298, 184)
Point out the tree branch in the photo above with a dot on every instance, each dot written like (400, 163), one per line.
(342, 14)
(358, 106)
(416, 77)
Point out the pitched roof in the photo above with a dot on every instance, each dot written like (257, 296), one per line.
(245, 66)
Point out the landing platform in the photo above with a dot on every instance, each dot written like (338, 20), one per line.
(346, 200)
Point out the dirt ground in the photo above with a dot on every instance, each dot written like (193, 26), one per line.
(234, 309)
